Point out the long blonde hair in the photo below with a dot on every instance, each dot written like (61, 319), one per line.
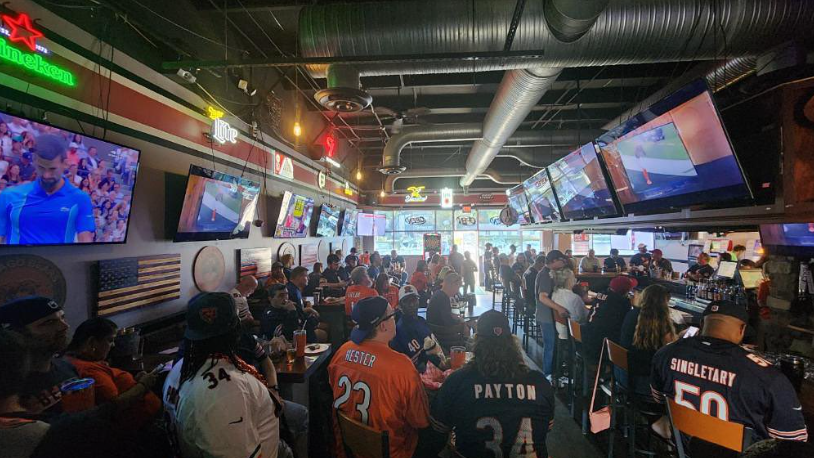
(654, 325)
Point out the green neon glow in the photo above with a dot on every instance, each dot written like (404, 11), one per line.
(35, 63)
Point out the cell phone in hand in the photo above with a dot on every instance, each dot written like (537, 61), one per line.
(691, 331)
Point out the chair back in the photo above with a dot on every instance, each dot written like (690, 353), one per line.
(362, 441)
(733, 436)
(448, 336)
(617, 355)
(575, 329)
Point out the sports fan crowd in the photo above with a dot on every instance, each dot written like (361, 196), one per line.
(410, 365)
(104, 171)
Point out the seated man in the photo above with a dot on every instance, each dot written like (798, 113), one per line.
(607, 316)
(41, 323)
(439, 310)
(241, 292)
(359, 289)
(331, 275)
(712, 373)
(376, 385)
(413, 337)
(351, 261)
(282, 317)
(496, 405)
(219, 405)
(614, 262)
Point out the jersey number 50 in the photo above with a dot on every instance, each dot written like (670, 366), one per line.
(706, 399)
(345, 383)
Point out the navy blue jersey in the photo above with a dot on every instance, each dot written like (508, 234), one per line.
(494, 416)
(411, 339)
(722, 379)
(29, 216)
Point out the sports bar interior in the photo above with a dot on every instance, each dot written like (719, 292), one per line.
(262, 228)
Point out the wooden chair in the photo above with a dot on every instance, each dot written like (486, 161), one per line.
(448, 336)
(362, 441)
(579, 373)
(691, 422)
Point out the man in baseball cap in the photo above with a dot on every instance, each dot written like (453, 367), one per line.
(716, 375)
(607, 316)
(393, 396)
(496, 383)
(41, 322)
(218, 404)
(413, 336)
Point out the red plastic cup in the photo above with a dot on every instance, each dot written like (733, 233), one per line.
(458, 355)
(78, 395)
(299, 343)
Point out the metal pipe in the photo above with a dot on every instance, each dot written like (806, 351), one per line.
(494, 175)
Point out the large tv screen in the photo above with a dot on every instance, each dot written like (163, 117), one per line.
(519, 203)
(328, 223)
(540, 195)
(349, 222)
(295, 216)
(371, 224)
(217, 206)
(793, 239)
(580, 187)
(59, 187)
(674, 154)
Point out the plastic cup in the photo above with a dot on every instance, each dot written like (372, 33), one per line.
(458, 355)
(299, 342)
(78, 395)
(291, 355)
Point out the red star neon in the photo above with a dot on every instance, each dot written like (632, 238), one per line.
(22, 30)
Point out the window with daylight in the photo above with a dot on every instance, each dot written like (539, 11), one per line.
(414, 221)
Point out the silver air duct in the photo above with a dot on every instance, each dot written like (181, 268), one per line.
(343, 94)
(491, 174)
(625, 32)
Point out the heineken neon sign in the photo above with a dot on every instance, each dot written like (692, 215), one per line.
(20, 30)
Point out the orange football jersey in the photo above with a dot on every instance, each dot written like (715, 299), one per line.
(355, 293)
(381, 388)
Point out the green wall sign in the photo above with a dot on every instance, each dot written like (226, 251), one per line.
(35, 63)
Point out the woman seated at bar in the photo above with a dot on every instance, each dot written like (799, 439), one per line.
(645, 330)
(702, 270)
(88, 352)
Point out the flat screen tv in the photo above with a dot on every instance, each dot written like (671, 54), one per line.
(85, 198)
(519, 203)
(328, 222)
(217, 206)
(674, 154)
(580, 186)
(792, 239)
(542, 203)
(295, 216)
(349, 222)
(371, 224)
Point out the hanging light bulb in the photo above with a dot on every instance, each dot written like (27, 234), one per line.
(297, 129)
(358, 174)
(382, 194)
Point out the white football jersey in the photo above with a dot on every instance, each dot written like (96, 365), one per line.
(221, 413)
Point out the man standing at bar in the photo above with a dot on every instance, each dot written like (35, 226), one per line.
(546, 307)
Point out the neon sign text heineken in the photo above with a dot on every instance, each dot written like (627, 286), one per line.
(21, 31)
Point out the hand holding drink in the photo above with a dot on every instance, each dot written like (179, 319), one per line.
(458, 355)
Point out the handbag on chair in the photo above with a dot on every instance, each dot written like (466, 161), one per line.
(600, 419)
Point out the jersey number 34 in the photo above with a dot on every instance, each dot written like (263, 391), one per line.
(345, 384)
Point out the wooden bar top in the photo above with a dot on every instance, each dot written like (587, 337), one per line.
(302, 368)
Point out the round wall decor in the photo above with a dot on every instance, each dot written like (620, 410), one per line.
(29, 275)
(287, 248)
(208, 269)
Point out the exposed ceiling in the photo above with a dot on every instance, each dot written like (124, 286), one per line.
(582, 98)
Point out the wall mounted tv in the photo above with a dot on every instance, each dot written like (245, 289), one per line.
(217, 206)
(84, 198)
(791, 239)
(519, 203)
(349, 222)
(371, 224)
(295, 216)
(328, 223)
(581, 189)
(540, 195)
(674, 154)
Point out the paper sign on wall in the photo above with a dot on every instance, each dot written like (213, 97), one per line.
(283, 166)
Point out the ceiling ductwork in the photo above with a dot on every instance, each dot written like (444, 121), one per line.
(569, 20)
(491, 174)
(625, 32)
(391, 157)
(343, 94)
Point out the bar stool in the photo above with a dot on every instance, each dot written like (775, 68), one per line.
(497, 289)
(531, 330)
(579, 372)
(726, 434)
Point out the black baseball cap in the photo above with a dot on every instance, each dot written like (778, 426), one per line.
(332, 258)
(211, 315)
(367, 313)
(728, 308)
(26, 310)
(555, 255)
(493, 324)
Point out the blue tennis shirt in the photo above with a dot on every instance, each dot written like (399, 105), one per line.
(29, 216)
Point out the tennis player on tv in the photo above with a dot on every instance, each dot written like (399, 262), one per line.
(48, 210)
